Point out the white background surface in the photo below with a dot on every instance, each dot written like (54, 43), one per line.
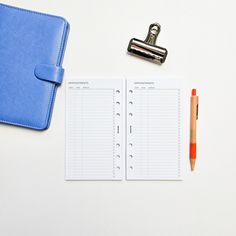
(201, 39)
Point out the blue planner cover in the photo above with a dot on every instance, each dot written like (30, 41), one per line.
(32, 46)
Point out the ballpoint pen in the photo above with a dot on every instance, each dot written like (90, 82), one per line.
(193, 129)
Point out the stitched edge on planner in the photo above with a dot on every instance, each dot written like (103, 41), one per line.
(31, 11)
(51, 100)
(58, 57)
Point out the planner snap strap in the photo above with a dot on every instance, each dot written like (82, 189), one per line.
(51, 73)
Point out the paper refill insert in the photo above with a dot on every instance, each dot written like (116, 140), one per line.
(94, 147)
(153, 130)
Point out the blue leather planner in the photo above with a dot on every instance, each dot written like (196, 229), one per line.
(32, 47)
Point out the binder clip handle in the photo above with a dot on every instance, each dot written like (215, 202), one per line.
(154, 30)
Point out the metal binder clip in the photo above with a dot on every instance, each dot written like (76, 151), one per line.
(148, 49)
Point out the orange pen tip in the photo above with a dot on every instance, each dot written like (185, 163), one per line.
(194, 92)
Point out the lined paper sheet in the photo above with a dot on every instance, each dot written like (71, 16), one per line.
(94, 129)
(153, 130)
